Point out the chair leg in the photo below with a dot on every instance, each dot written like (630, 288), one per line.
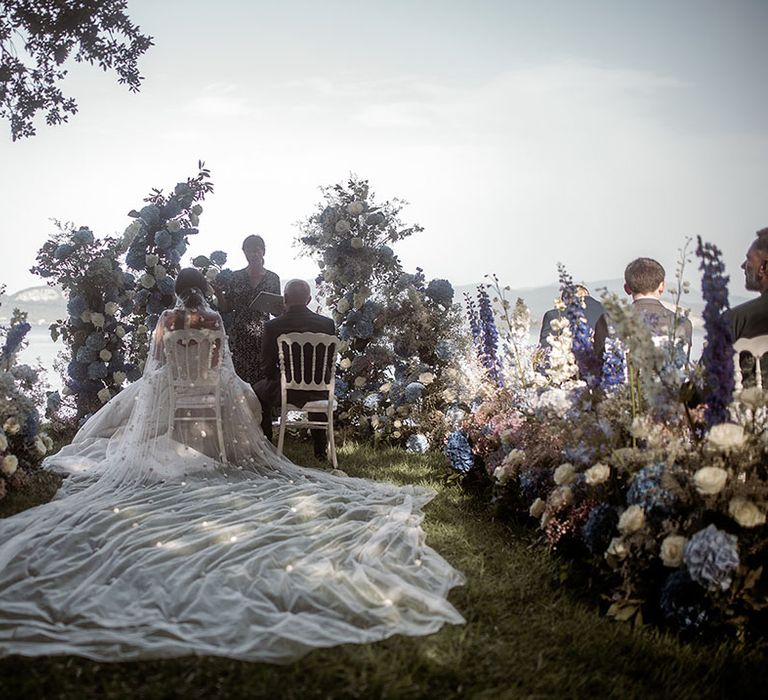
(331, 441)
(220, 434)
(281, 433)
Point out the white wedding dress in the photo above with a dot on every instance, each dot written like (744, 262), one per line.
(152, 548)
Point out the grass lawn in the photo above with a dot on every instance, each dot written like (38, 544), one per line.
(526, 635)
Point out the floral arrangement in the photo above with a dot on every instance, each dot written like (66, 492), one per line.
(22, 443)
(116, 289)
(667, 509)
(396, 376)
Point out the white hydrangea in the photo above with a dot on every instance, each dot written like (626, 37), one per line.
(342, 226)
(173, 225)
(9, 465)
(105, 355)
(151, 260)
(98, 320)
(426, 378)
(710, 481)
(160, 272)
(632, 520)
(197, 209)
(120, 331)
(3, 442)
(356, 208)
(565, 474)
(597, 474)
(745, 513)
(726, 436)
(11, 426)
(147, 281)
(110, 308)
(357, 243)
(104, 395)
(118, 378)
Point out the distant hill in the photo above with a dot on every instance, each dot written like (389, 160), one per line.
(42, 304)
(46, 304)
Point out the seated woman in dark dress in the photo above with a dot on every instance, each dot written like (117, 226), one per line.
(247, 326)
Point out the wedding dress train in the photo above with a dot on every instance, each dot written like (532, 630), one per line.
(152, 548)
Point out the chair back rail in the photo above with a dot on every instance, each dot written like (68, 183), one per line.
(757, 347)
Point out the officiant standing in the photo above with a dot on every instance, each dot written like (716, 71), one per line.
(237, 297)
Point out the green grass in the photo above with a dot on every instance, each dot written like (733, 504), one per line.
(526, 635)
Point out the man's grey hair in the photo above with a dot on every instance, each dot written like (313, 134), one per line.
(761, 241)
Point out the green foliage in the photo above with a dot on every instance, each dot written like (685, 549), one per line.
(36, 39)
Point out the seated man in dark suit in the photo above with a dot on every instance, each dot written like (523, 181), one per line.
(644, 281)
(296, 319)
(750, 319)
(593, 310)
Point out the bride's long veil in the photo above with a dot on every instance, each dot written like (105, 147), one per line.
(154, 548)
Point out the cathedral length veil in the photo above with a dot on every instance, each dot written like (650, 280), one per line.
(151, 548)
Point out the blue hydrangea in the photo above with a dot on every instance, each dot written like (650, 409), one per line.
(417, 443)
(361, 329)
(132, 373)
(683, 602)
(96, 341)
(414, 391)
(444, 350)
(151, 215)
(76, 305)
(441, 292)
(535, 483)
(459, 452)
(599, 528)
(711, 557)
(373, 401)
(182, 188)
(77, 371)
(375, 219)
(370, 310)
(166, 286)
(83, 236)
(14, 338)
(648, 492)
(86, 355)
(218, 257)
(136, 256)
(397, 393)
(387, 252)
(63, 251)
(163, 240)
(171, 210)
(341, 388)
(97, 370)
(52, 402)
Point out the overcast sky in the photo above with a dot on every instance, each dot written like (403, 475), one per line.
(521, 133)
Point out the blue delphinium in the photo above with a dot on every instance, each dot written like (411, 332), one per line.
(581, 333)
(417, 443)
(717, 357)
(599, 528)
(489, 337)
(614, 366)
(648, 492)
(711, 556)
(683, 602)
(13, 340)
(473, 318)
(459, 452)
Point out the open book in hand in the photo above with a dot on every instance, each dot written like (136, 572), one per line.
(267, 302)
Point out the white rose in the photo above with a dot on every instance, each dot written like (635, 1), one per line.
(197, 209)
(515, 458)
(173, 225)
(537, 508)
(9, 465)
(151, 260)
(120, 331)
(398, 424)
(110, 308)
(565, 474)
(104, 395)
(617, 548)
(3, 442)
(346, 363)
(98, 320)
(211, 274)
(745, 513)
(118, 378)
(356, 242)
(105, 355)
(375, 420)
(342, 226)
(40, 445)
(342, 306)
(426, 378)
(85, 317)
(11, 426)
(160, 272)
(597, 474)
(672, 550)
(710, 480)
(360, 298)
(147, 281)
(142, 329)
(360, 381)
(390, 411)
(47, 441)
(355, 208)
(396, 434)
(502, 474)
(632, 520)
(560, 497)
(385, 387)
(726, 436)
(194, 219)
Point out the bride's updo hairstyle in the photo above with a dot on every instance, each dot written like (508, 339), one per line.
(189, 287)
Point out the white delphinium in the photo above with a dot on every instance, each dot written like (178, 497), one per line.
(562, 363)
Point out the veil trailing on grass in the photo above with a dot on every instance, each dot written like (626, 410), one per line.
(154, 547)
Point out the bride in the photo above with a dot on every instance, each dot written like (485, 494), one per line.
(156, 547)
